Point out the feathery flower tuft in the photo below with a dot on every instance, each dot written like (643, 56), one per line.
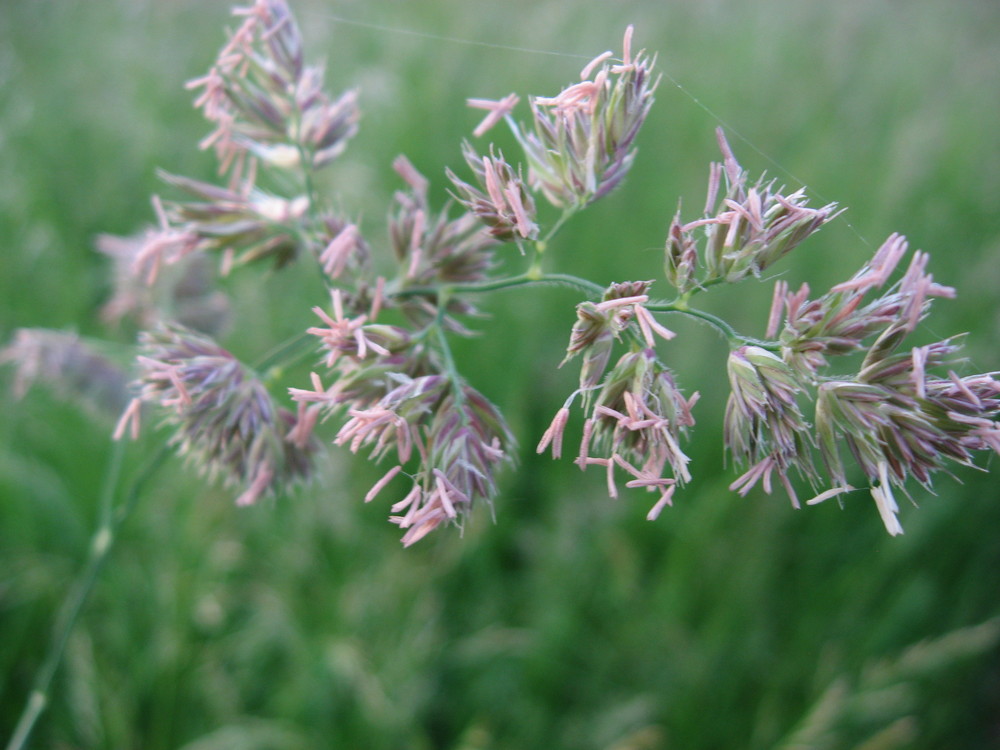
(458, 439)
(265, 102)
(897, 421)
(224, 420)
(841, 322)
(432, 249)
(355, 336)
(754, 227)
(467, 441)
(763, 423)
(636, 424)
(746, 229)
(72, 367)
(894, 416)
(598, 324)
(581, 146)
(506, 206)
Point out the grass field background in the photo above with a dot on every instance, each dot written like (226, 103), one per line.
(570, 622)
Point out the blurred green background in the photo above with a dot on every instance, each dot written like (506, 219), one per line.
(570, 622)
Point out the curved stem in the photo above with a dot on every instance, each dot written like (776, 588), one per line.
(726, 330)
(69, 612)
(524, 279)
(732, 336)
(565, 279)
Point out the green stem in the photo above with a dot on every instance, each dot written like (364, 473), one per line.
(449, 364)
(563, 218)
(706, 285)
(732, 336)
(69, 612)
(286, 353)
(442, 340)
(726, 330)
(305, 159)
(524, 279)
(565, 279)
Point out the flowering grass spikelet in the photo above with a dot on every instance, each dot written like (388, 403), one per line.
(841, 321)
(458, 439)
(504, 203)
(899, 421)
(638, 419)
(634, 424)
(581, 144)
(265, 102)
(224, 421)
(763, 423)
(889, 416)
(599, 324)
(744, 230)
(467, 442)
(432, 246)
(74, 368)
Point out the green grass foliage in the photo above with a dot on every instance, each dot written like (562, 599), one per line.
(570, 622)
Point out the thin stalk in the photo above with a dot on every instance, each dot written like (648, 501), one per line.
(524, 279)
(101, 544)
(732, 336)
(593, 290)
(565, 279)
(563, 218)
(726, 330)
(286, 353)
(449, 365)
(449, 361)
(305, 160)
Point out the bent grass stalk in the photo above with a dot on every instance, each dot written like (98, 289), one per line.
(111, 517)
(592, 289)
(110, 520)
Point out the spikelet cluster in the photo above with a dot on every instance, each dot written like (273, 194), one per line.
(222, 418)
